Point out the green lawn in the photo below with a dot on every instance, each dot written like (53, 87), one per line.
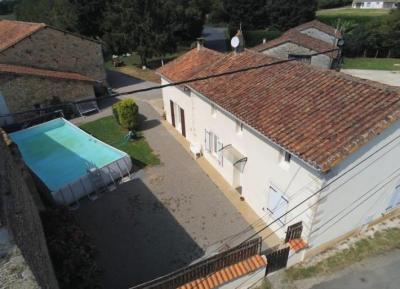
(107, 130)
(133, 67)
(372, 63)
(7, 17)
(381, 242)
(357, 16)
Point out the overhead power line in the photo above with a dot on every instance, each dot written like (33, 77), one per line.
(156, 87)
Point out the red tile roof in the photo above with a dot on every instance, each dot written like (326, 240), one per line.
(321, 27)
(320, 116)
(295, 36)
(12, 32)
(228, 274)
(24, 70)
(190, 63)
(297, 244)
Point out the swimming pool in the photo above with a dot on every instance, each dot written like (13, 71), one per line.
(62, 155)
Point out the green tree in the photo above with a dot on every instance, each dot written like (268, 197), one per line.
(290, 13)
(59, 13)
(151, 27)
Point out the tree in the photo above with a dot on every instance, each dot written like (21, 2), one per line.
(59, 13)
(151, 28)
(249, 13)
(290, 13)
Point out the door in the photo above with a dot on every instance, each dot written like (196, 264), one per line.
(183, 126)
(4, 111)
(172, 107)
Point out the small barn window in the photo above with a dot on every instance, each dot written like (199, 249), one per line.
(239, 127)
(288, 157)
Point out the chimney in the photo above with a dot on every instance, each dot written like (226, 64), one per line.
(200, 43)
(239, 35)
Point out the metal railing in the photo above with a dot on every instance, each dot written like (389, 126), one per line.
(205, 267)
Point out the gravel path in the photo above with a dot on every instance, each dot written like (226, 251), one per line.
(162, 220)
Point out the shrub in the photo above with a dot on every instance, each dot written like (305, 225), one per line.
(126, 113)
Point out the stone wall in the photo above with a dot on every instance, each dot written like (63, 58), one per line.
(282, 51)
(18, 213)
(24, 92)
(53, 49)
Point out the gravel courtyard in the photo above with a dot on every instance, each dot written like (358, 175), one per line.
(162, 220)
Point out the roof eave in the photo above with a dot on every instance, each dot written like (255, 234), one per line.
(308, 164)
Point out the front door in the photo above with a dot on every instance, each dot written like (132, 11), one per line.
(183, 127)
(172, 107)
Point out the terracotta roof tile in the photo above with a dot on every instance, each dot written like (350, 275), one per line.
(190, 63)
(320, 26)
(320, 116)
(11, 32)
(24, 70)
(297, 244)
(295, 36)
(225, 275)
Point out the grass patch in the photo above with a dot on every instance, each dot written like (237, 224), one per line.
(357, 16)
(107, 130)
(381, 242)
(7, 17)
(133, 65)
(372, 63)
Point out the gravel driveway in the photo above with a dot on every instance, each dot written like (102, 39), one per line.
(162, 220)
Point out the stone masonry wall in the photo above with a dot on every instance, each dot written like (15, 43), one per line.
(56, 50)
(18, 213)
(23, 92)
(283, 51)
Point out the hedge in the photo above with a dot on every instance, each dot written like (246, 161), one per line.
(126, 113)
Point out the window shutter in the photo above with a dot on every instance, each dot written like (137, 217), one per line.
(277, 204)
(220, 153)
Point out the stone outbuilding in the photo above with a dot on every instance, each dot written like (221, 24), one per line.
(42, 65)
(303, 41)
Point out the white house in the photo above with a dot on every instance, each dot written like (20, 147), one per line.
(363, 4)
(282, 133)
(303, 41)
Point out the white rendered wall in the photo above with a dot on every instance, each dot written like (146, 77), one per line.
(367, 178)
(318, 34)
(282, 51)
(264, 167)
(370, 5)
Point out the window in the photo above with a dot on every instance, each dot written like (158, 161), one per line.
(288, 157)
(186, 89)
(301, 58)
(239, 127)
(213, 110)
(215, 144)
(277, 203)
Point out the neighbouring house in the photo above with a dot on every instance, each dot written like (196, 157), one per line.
(375, 4)
(291, 132)
(25, 88)
(42, 65)
(303, 41)
(321, 31)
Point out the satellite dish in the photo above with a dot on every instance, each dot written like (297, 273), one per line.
(235, 42)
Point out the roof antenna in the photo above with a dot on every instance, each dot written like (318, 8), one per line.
(237, 42)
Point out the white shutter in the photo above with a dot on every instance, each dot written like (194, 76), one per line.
(220, 153)
(274, 198)
(207, 141)
(277, 204)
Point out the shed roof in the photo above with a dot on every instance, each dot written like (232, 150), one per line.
(25, 70)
